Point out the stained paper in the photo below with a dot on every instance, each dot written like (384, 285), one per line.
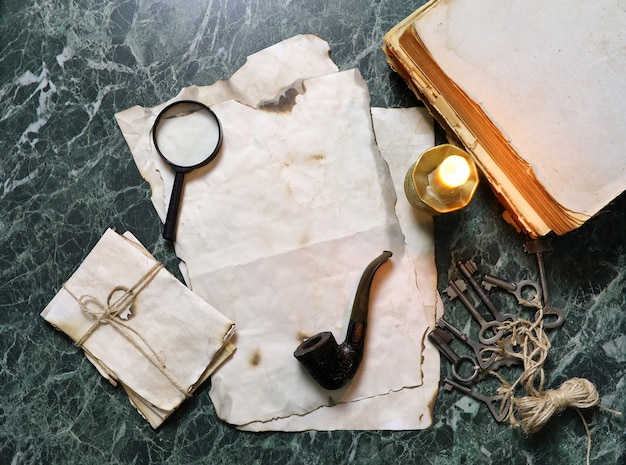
(276, 232)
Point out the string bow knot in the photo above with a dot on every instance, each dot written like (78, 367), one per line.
(116, 312)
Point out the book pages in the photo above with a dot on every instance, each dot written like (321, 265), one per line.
(550, 76)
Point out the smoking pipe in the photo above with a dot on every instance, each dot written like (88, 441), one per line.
(332, 365)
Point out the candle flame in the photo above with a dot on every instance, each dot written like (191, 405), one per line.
(453, 171)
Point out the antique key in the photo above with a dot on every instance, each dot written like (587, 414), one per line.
(477, 347)
(499, 414)
(515, 288)
(441, 339)
(556, 315)
(468, 269)
(457, 289)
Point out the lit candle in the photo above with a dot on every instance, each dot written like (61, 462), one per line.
(452, 172)
(443, 179)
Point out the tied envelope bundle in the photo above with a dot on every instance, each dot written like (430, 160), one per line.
(276, 231)
(140, 326)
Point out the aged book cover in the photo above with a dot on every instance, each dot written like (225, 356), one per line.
(534, 90)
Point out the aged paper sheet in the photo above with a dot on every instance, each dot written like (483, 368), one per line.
(276, 232)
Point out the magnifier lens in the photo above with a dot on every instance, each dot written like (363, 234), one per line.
(187, 134)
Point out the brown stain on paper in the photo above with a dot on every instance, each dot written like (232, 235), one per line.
(285, 102)
(302, 336)
(255, 360)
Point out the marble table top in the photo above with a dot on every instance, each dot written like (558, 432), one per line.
(66, 175)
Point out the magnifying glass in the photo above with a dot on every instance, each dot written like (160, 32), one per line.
(187, 135)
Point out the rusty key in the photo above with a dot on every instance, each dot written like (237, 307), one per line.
(515, 288)
(468, 269)
(477, 347)
(499, 413)
(457, 289)
(441, 339)
(556, 315)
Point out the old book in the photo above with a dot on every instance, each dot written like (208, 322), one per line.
(534, 91)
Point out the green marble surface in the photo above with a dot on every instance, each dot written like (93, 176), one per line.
(66, 174)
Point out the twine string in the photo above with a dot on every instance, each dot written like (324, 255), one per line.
(532, 411)
(109, 313)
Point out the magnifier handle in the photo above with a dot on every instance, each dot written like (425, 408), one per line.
(169, 230)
